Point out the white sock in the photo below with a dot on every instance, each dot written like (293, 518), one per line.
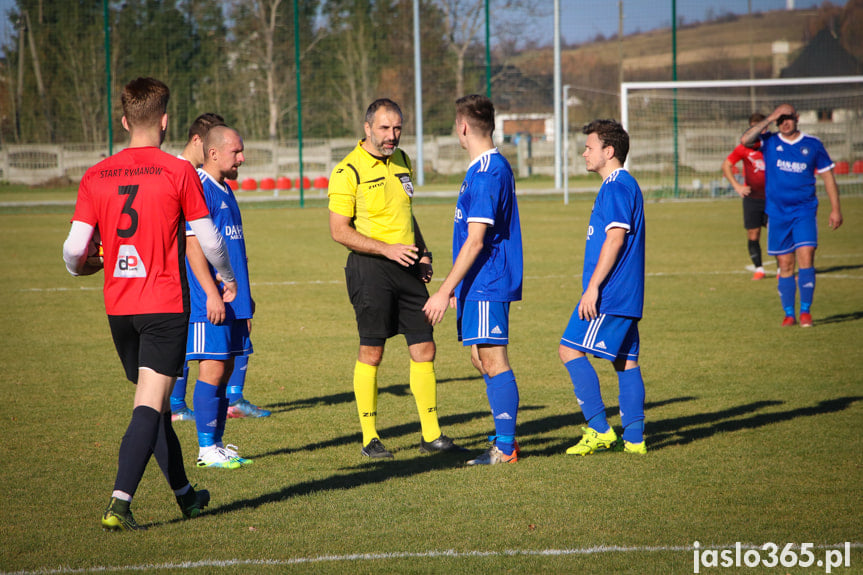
(202, 451)
(122, 495)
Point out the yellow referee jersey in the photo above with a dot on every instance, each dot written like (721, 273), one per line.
(375, 194)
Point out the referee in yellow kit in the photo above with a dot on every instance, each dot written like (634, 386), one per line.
(370, 196)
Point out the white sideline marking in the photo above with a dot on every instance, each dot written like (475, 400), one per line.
(450, 553)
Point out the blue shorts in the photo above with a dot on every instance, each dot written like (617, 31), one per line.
(218, 342)
(608, 336)
(482, 322)
(786, 233)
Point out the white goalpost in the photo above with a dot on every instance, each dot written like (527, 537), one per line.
(680, 132)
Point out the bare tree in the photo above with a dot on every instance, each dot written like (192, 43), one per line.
(465, 19)
(268, 29)
(354, 57)
(265, 20)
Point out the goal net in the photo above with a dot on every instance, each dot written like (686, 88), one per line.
(680, 132)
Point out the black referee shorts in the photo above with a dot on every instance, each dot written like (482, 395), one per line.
(387, 299)
(153, 340)
(753, 213)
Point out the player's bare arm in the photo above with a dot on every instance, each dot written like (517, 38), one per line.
(832, 189)
(198, 263)
(425, 261)
(342, 232)
(751, 135)
(587, 308)
(727, 171)
(436, 306)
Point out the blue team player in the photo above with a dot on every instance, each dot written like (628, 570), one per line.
(487, 270)
(605, 321)
(791, 160)
(215, 341)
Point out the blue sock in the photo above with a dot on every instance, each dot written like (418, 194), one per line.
(178, 395)
(502, 393)
(787, 294)
(806, 283)
(222, 416)
(585, 383)
(238, 378)
(632, 404)
(206, 404)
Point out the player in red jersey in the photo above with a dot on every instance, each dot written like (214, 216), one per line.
(139, 200)
(752, 192)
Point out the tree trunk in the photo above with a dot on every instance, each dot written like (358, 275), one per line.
(46, 109)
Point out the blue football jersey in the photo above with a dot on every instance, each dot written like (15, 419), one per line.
(487, 195)
(619, 204)
(791, 167)
(226, 216)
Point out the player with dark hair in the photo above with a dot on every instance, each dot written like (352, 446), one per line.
(792, 159)
(752, 192)
(238, 406)
(605, 321)
(486, 273)
(215, 344)
(371, 214)
(193, 152)
(138, 199)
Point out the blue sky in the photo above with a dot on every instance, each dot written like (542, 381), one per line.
(582, 20)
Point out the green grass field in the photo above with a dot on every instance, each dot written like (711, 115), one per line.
(754, 430)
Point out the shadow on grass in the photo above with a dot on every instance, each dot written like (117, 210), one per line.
(834, 269)
(370, 473)
(661, 434)
(412, 428)
(556, 446)
(842, 317)
(401, 390)
(683, 430)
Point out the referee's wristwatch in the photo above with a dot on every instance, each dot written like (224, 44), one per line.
(427, 255)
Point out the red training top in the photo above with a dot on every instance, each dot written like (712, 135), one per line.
(140, 199)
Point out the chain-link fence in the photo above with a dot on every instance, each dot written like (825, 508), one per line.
(64, 63)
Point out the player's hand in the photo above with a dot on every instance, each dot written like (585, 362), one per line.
(426, 271)
(587, 305)
(401, 254)
(88, 269)
(229, 291)
(835, 219)
(435, 307)
(781, 110)
(215, 309)
(743, 191)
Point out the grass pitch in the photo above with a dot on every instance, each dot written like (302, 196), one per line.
(754, 430)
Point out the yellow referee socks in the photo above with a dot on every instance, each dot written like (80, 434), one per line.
(424, 388)
(366, 392)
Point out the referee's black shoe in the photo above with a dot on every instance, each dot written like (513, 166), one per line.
(442, 444)
(376, 450)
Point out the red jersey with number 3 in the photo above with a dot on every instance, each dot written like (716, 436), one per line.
(140, 199)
